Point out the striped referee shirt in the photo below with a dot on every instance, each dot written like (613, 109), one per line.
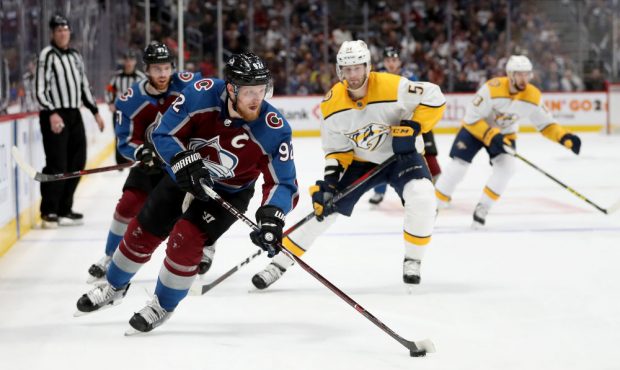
(61, 80)
(120, 82)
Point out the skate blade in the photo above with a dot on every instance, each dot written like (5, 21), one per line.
(131, 332)
(80, 313)
(95, 280)
(477, 226)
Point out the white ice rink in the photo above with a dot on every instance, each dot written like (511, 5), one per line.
(538, 289)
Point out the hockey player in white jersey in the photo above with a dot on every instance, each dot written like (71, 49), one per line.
(491, 122)
(367, 118)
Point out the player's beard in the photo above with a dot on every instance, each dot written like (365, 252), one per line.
(248, 114)
(160, 84)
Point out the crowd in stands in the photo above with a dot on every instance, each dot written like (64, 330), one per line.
(291, 36)
(295, 30)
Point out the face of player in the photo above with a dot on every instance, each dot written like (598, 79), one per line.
(61, 36)
(519, 80)
(355, 75)
(160, 75)
(392, 64)
(129, 64)
(249, 100)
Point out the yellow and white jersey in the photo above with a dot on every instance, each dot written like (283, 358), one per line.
(362, 127)
(494, 107)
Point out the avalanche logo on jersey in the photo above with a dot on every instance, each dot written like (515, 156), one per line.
(369, 137)
(220, 162)
(504, 120)
(273, 120)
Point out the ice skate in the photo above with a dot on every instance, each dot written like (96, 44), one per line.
(101, 296)
(71, 219)
(268, 276)
(148, 318)
(98, 270)
(442, 204)
(207, 259)
(480, 215)
(411, 271)
(49, 221)
(376, 198)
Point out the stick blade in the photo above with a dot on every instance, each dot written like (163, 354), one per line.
(21, 163)
(614, 207)
(420, 348)
(196, 289)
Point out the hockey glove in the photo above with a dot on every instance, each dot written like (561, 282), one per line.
(322, 194)
(150, 162)
(404, 137)
(188, 168)
(270, 222)
(496, 147)
(572, 142)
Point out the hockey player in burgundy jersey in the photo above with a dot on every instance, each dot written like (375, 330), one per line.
(225, 134)
(136, 113)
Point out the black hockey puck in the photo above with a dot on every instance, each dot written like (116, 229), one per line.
(417, 353)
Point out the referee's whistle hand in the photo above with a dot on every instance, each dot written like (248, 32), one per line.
(100, 122)
(56, 123)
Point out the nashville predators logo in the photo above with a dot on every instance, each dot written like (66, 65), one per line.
(369, 137)
(504, 120)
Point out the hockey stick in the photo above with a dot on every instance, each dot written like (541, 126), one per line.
(45, 177)
(607, 211)
(416, 349)
(202, 289)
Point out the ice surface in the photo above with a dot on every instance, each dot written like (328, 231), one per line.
(538, 289)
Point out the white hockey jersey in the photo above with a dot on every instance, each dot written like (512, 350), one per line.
(360, 129)
(494, 108)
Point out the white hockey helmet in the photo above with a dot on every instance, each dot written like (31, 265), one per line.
(352, 53)
(518, 63)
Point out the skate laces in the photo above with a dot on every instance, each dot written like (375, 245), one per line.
(411, 267)
(101, 293)
(481, 211)
(271, 273)
(104, 262)
(153, 312)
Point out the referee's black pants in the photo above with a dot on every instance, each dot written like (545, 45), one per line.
(64, 152)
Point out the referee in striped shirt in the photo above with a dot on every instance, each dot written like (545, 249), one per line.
(61, 87)
(120, 82)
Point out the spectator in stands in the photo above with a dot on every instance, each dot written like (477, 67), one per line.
(5, 86)
(570, 81)
(595, 81)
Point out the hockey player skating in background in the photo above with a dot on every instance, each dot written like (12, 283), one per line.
(136, 112)
(222, 133)
(366, 118)
(491, 122)
(393, 64)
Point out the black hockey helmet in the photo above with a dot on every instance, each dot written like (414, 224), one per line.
(130, 54)
(391, 52)
(157, 52)
(247, 69)
(58, 20)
